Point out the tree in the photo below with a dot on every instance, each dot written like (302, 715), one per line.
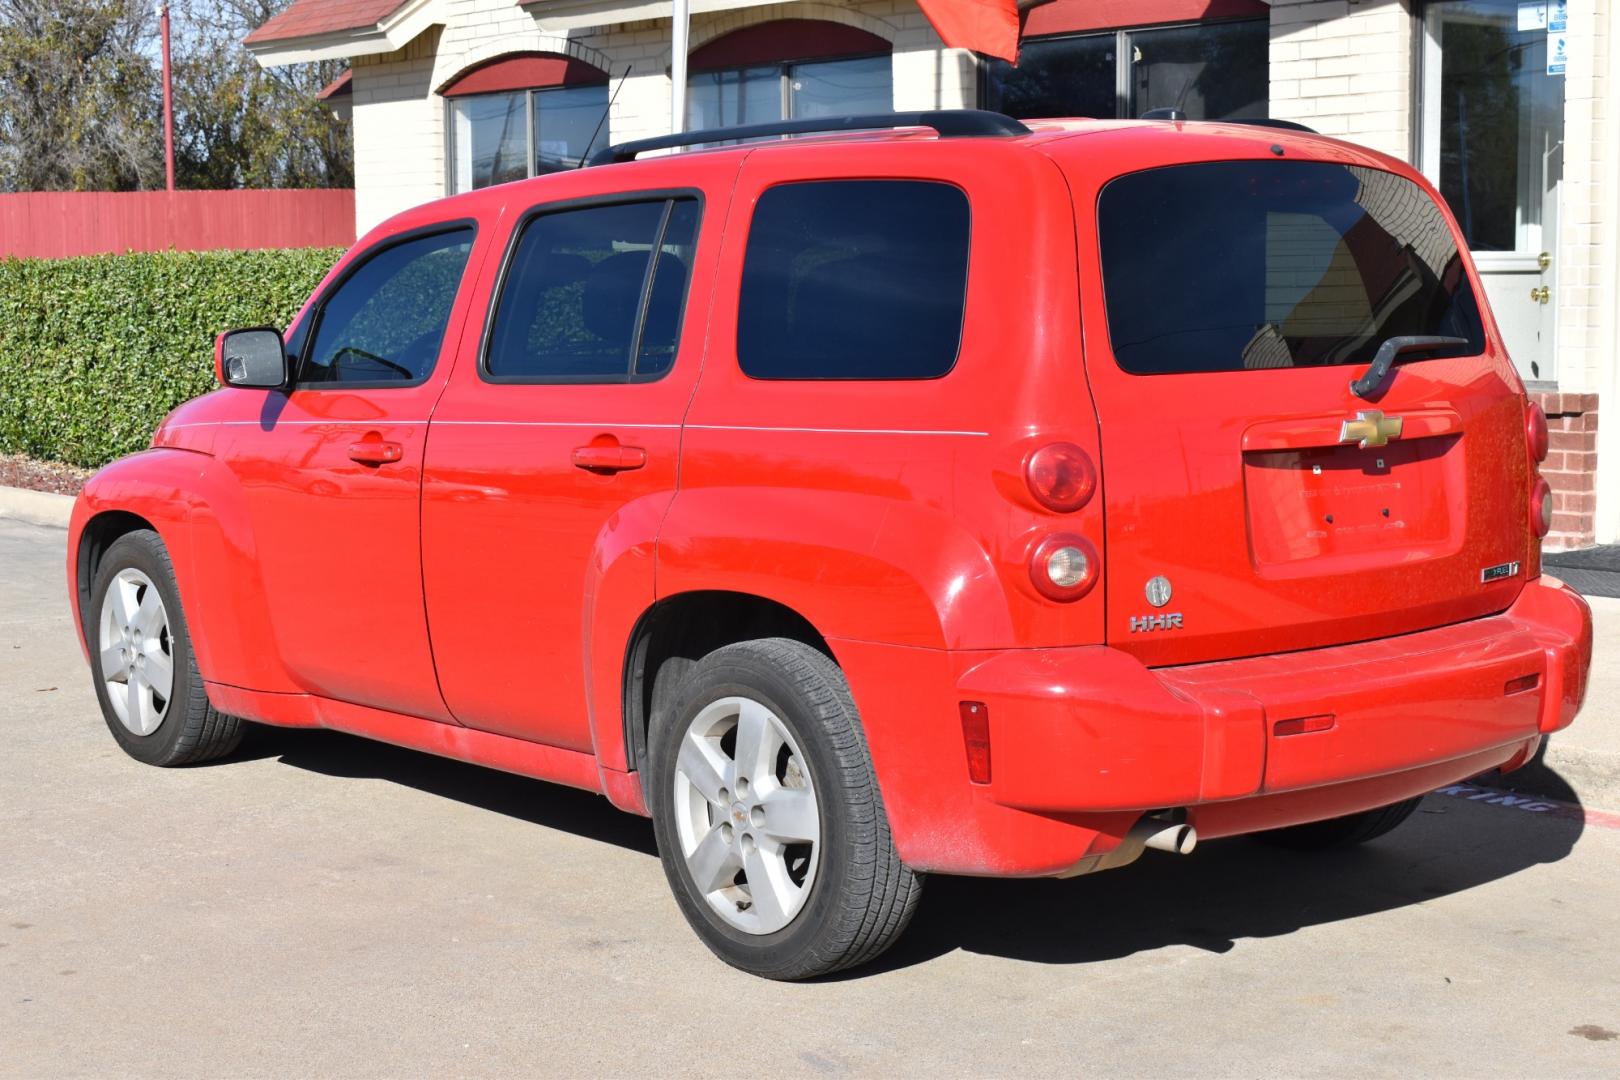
(79, 97)
(240, 125)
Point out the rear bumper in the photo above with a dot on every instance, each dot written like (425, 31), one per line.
(1093, 730)
(1084, 740)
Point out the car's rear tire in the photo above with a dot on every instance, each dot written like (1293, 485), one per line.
(1342, 832)
(142, 663)
(761, 785)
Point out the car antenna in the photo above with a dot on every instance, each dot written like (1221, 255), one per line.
(586, 155)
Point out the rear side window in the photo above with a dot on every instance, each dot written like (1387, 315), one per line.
(854, 279)
(1236, 265)
(594, 294)
(385, 322)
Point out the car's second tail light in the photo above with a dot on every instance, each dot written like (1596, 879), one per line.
(1061, 477)
(1535, 425)
(1063, 567)
(1541, 508)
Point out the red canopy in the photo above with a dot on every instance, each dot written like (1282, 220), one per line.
(986, 26)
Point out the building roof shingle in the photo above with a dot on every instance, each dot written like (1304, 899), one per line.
(311, 18)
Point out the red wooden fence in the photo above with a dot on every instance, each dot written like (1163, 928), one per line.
(55, 225)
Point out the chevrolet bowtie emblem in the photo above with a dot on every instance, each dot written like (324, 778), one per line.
(1370, 428)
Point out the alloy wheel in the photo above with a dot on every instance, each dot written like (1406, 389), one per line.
(746, 815)
(137, 652)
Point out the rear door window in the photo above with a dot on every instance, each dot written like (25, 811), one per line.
(854, 279)
(1238, 265)
(594, 294)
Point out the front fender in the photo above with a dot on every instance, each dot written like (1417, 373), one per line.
(198, 509)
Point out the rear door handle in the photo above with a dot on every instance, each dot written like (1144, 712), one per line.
(609, 459)
(373, 449)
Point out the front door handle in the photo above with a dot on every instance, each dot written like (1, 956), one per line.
(373, 449)
(609, 459)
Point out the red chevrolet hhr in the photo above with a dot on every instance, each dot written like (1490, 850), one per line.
(935, 494)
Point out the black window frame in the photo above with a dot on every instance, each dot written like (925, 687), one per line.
(967, 282)
(1122, 66)
(667, 196)
(317, 310)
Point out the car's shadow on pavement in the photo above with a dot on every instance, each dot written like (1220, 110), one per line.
(1224, 892)
(553, 806)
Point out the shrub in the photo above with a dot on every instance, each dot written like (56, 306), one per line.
(95, 350)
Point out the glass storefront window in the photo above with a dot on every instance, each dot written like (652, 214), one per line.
(1210, 71)
(494, 140)
(1498, 117)
(763, 93)
(1071, 76)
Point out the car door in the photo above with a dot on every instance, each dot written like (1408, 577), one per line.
(331, 472)
(558, 450)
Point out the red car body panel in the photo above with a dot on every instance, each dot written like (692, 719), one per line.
(478, 597)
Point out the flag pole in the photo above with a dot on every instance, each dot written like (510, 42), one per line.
(168, 100)
(681, 24)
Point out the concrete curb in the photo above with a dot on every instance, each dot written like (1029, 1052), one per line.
(36, 507)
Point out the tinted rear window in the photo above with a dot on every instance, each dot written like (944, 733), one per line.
(854, 279)
(1228, 266)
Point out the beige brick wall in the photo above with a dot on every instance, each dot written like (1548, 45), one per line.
(1345, 69)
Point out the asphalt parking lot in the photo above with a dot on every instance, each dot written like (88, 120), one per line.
(321, 906)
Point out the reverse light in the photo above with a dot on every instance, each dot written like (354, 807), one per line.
(1061, 477)
(1063, 567)
(1535, 426)
(1541, 508)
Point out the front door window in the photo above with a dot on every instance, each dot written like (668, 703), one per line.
(1492, 142)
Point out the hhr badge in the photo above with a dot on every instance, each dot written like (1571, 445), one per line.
(1141, 624)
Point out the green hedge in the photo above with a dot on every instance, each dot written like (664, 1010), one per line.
(94, 351)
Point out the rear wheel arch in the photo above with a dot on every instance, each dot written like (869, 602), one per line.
(678, 631)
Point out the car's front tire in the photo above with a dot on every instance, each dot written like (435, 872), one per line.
(1342, 832)
(142, 663)
(768, 817)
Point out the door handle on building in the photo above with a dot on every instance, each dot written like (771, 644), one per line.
(1541, 295)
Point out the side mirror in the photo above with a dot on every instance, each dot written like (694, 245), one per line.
(254, 359)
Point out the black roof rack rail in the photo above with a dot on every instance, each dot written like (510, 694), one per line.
(1251, 121)
(949, 123)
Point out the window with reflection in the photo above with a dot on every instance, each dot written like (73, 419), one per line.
(524, 116)
(1208, 70)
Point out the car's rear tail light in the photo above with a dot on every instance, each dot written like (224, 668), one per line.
(976, 738)
(1063, 567)
(1061, 477)
(1541, 508)
(1535, 425)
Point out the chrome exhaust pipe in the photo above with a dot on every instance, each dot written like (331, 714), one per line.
(1158, 833)
(1177, 839)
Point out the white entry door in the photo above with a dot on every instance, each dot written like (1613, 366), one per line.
(1492, 142)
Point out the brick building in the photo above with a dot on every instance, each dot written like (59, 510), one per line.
(1513, 118)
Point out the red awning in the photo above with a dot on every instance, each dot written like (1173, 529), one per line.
(986, 26)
